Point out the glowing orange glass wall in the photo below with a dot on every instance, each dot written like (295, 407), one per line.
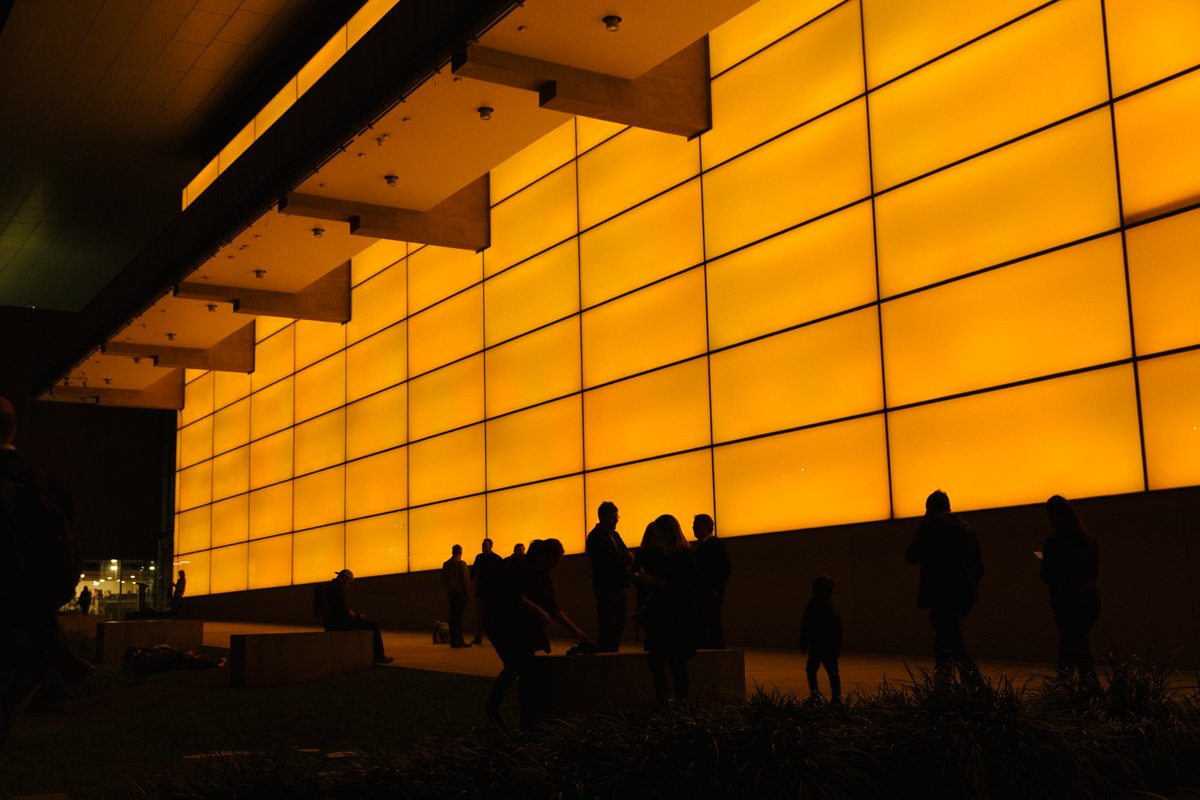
(925, 245)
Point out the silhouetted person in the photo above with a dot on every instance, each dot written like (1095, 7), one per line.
(610, 577)
(821, 638)
(481, 569)
(177, 591)
(456, 580)
(338, 616)
(518, 549)
(85, 600)
(668, 573)
(519, 604)
(951, 569)
(712, 573)
(1070, 563)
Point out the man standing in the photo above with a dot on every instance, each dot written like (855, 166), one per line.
(481, 567)
(177, 591)
(951, 569)
(610, 577)
(338, 616)
(456, 580)
(712, 573)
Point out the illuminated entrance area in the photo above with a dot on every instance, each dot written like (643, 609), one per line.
(916, 250)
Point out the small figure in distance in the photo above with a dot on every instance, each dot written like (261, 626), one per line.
(610, 560)
(951, 569)
(456, 580)
(667, 571)
(178, 588)
(821, 638)
(85, 600)
(518, 550)
(338, 616)
(712, 573)
(481, 567)
(519, 603)
(1069, 566)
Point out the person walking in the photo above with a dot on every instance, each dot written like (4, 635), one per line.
(821, 638)
(85, 601)
(456, 580)
(1069, 566)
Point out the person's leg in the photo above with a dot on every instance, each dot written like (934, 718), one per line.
(810, 670)
(658, 674)
(508, 675)
(830, 662)
(716, 632)
(478, 622)
(610, 619)
(679, 671)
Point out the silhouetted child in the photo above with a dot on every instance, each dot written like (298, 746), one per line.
(821, 637)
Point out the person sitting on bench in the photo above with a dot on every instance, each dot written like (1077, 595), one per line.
(338, 616)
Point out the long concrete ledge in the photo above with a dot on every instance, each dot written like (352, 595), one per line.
(266, 659)
(114, 638)
(79, 624)
(621, 681)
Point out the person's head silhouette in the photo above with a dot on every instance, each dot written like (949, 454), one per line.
(937, 503)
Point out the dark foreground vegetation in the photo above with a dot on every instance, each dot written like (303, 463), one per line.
(914, 740)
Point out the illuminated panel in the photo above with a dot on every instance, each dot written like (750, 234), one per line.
(320, 498)
(316, 340)
(1035, 72)
(435, 273)
(758, 26)
(271, 510)
(197, 399)
(1150, 39)
(818, 269)
(196, 442)
(274, 358)
(1075, 436)
(446, 466)
(448, 398)
(532, 220)
(542, 442)
(654, 326)
(197, 567)
(1042, 191)
(435, 529)
(813, 169)
(829, 475)
(192, 529)
(237, 145)
(898, 39)
(746, 104)
(195, 485)
(540, 158)
(377, 363)
(1156, 142)
(553, 509)
(821, 372)
(377, 484)
(231, 426)
(266, 327)
(270, 563)
(377, 545)
(230, 387)
(272, 111)
(377, 422)
(1059, 312)
(271, 408)
(655, 239)
(321, 442)
(271, 459)
(534, 368)
(375, 259)
(1170, 390)
(231, 473)
(541, 290)
(231, 521)
(1164, 282)
(190, 375)
(657, 413)
(680, 485)
(591, 132)
(317, 554)
(632, 167)
(321, 387)
(228, 570)
(445, 332)
(378, 303)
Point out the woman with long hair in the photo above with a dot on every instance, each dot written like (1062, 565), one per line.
(667, 575)
(1070, 564)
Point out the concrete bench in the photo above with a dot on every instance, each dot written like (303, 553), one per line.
(621, 681)
(79, 624)
(114, 638)
(265, 659)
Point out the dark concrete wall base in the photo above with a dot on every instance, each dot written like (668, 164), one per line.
(270, 659)
(114, 638)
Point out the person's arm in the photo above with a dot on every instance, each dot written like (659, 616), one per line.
(562, 619)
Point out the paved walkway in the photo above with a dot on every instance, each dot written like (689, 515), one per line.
(771, 669)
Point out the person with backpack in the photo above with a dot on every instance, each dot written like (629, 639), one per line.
(40, 564)
(330, 604)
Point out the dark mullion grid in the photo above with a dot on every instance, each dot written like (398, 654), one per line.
(712, 450)
(578, 315)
